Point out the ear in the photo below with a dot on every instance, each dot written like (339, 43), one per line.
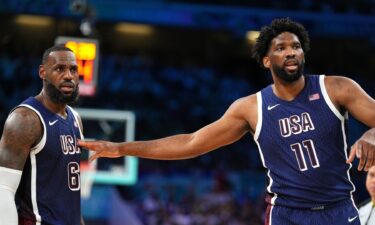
(266, 62)
(42, 72)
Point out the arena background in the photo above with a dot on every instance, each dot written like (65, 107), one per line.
(178, 65)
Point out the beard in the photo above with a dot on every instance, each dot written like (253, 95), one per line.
(59, 97)
(287, 76)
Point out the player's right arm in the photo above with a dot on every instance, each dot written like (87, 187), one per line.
(226, 130)
(21, 131)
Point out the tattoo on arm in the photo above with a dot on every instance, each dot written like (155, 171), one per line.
(22, 130)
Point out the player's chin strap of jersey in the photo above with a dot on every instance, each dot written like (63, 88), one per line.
(9, 181)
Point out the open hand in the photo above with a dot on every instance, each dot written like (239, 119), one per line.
(101, 148)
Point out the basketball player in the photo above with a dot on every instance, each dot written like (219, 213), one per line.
(39, 157)
(298, 123)
(366, 210)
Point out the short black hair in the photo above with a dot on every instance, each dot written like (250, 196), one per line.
(278, 26)
(55, 48)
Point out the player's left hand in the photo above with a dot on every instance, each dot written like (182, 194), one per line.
(364, 149)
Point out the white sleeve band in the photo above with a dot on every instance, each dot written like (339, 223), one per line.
(9, 181)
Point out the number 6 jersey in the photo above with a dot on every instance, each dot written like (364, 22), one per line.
(49, 192)
(303, 145)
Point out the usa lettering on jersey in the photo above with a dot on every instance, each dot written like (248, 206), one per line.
(296, 124)
(69, 145)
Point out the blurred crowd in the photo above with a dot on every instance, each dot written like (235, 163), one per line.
(219, 204)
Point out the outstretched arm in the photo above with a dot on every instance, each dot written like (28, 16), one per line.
(349, 95)
(21, 131)
(228, 129)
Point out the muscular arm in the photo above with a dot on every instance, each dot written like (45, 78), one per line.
(226, 130)
(21, 131)
(347, 94)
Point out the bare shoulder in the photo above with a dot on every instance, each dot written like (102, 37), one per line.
(246, 109)
(339, 83)
(342, 89)
(245, 103)
(23, 120)
(22, 130)
(340, 86)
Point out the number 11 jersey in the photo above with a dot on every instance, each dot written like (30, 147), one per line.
(303, 145)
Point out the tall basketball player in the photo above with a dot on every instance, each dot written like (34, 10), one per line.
(299, 125)
(39, 156)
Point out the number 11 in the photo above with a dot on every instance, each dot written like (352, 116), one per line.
(310, 148)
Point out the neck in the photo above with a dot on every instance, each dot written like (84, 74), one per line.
(287, 91)
(57, 108)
